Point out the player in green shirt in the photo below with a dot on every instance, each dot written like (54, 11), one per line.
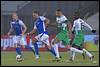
(62, 24)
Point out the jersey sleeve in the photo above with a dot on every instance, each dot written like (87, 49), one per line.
(35, 26)
(42, 18)
(21, 22)
(11, 27)
(87, 25)
(64, 19)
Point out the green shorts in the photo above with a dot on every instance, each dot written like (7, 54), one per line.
(63, 36)
(78, 39)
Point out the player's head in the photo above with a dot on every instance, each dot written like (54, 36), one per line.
(35, 14)
(14, 16)
(76, 15)
(59, 12)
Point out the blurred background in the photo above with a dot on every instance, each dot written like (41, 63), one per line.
(89, 11)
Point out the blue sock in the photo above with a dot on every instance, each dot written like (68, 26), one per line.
(18, 50)
(36, 48)
(27, 46)
(52, 51)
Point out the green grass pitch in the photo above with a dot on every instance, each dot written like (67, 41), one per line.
(9, 59)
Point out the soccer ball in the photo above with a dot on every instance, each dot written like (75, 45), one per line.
(19, 58)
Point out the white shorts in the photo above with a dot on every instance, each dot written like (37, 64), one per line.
(43, 38)
(16, 39)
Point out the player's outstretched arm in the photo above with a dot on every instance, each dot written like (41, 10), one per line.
(32, 32)
(93, 31)
(87, 25)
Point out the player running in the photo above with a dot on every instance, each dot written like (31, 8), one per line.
(78, 41)
(19, 28)
(61, 22)
(63, 29)
(40, 25)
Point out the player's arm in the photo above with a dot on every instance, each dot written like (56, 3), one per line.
(87, 25)
(69, 27)
(66, 21)
(47, 21)
(10, 31)
(32, 32)
(24, 26)
(73, 28)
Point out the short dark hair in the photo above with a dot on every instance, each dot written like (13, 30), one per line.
(77, 13)
(36, 12)
(59, 10)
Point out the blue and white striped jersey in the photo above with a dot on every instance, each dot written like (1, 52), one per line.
(17, 26)
(40, 25)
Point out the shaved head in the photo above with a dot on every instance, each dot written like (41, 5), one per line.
(14, 16)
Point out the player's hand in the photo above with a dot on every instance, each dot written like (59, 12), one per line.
(93, 31)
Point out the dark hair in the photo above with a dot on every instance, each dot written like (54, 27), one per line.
(77, 13)
(36, 12)
(59, 10)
